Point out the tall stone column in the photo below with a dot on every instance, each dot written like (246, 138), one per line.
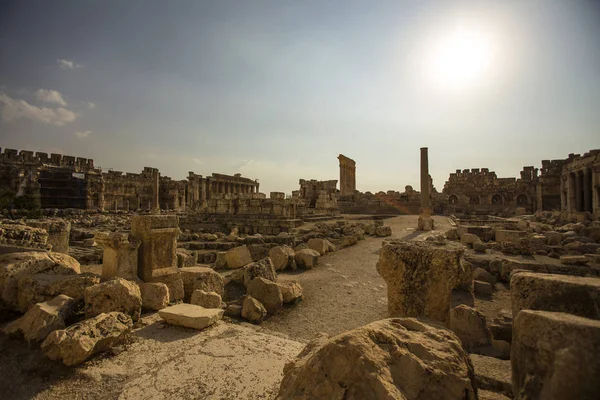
(587, 190)
(203, 190)
(425, 221)
(347, 175)
(578, 191)
(155, 192)
(120, 256)
(571, 190)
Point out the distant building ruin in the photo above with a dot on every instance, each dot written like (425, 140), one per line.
(347, 175)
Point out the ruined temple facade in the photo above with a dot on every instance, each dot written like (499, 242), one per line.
(347, 175)
(60, 181)
(571, 185)
(580, 183)
(317, 197)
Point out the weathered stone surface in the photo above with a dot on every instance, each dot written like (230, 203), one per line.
(157, 251)
(480, 274)
(42, 319)
(306, 258)
(574, 260)
(259, 251)
(253, 310)
(58, 233)
(470, 327)
(321, 246)
(501, 326)
(553, 238)
(155, 295)
(79, 342)
(555, 356)
(238, 257)
(281, 256)
(114, 295)
(562, 293)
(492, 374)
(33, 289)
(119, 256)
(190, 316)
(15, 266)
(206, 299)
(291, 291)
(469, 239)
(267, 292)
(383, 231)
(421, 276)
(221, 260)
(233, 310)
(263, 268)
(186, 258)
(175, 284)
(398, 358)
(482, 287)
(509, 235)
(202, 278)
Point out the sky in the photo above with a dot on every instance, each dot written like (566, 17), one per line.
(275, 90)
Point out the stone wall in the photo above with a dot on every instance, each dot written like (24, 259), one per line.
(580, 184)
(390, 202)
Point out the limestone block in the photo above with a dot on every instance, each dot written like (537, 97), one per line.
(398, 358)
(233, 310)
(553, 238)
(79, 342)
(259, 251)
(155, 295)
(221, 260)
(58, 233)
(253, 310)
(306, 258)
(206, 299)
(175, 284)
(501, 326)
(492, 374)
(38, 288)
(321, 246)
(383, 231)
(555, 356)
(291, 291)
(469, 239)
(574, 260)
(263, 268)
(470, 327)
(267, 292)
(561, 293)
(15, 266)
(503, 235)
(190, 316)
(484, 288)
(425, 223)
(281, 256)
(202, 278)
(421, 276)
(186, 258)
(482, 275)
(42, 319)
(238, 257)
(158, 237)
(120, 254)
(114, 295)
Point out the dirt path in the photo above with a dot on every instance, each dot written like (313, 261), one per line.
(344, 291)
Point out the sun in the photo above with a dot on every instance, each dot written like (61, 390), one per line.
(460, 59)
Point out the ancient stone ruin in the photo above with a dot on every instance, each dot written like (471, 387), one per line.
(139, 286)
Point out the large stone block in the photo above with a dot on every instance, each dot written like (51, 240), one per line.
(267, 292)
(503, 235)
(120, 254)
(470, 327)
(555, 356)
(38, 288)
(158, 237)
(206, 299)
(79, 342)
(201, 278)
(398, 358)
(306, 258)
(282, 257)
(114, 295)
(58, 233)
(42, 319)
(253, 310)
(155, 295)
(175, 284)
(238, 257)
(321, 246)
(15, 266)
(561, 293)
(421, 276)
(190, 316)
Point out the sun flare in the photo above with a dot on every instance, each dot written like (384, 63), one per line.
(461, 59)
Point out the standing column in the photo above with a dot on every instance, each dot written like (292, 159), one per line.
(587, 190)
(578, 191)
(425, 221)
(202, 190)
(155, 194)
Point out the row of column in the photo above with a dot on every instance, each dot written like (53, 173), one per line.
(232, 188)
(581, 190)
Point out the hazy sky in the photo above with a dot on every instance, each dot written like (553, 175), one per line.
(276, 90)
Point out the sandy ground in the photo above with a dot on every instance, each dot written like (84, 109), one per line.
(228, 361)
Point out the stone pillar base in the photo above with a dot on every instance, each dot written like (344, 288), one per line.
(425, 223)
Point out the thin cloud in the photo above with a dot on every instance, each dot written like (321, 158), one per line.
(90, 105)
(83, 134)
(14, 109)
(66, 64)
(50, 96)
